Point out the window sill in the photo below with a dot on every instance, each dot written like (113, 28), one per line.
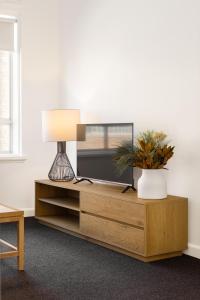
(14, 158)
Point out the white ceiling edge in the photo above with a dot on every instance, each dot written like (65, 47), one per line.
(10, 7)
(8, 2)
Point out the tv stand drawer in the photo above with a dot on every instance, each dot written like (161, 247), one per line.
(120, 235)
(112, 208)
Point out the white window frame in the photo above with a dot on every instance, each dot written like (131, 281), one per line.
(15, 152)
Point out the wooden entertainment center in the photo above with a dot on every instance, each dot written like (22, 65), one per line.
(148, 230)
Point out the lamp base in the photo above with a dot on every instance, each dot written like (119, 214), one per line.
(61, 169)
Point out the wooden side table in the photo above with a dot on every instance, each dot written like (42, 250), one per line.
(7, 215)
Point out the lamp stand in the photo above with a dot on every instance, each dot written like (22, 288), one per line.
(61, 169)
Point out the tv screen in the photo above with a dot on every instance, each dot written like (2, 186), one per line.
(97, 144)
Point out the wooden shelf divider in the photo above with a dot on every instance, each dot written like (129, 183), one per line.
(70, 203)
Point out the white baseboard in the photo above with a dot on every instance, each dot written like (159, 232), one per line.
(193, 250)
(29, 212)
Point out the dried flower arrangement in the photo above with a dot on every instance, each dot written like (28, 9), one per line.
(151, 151)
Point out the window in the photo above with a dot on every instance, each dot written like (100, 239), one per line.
(9, 87)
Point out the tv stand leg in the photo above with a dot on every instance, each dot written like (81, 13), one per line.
(83, 179)
(128, 187)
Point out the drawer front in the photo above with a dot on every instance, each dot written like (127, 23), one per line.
(111, 208)
(122, 236)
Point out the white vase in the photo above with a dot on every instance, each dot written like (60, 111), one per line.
(152, 184)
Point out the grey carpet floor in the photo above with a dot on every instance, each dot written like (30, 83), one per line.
(60, 266)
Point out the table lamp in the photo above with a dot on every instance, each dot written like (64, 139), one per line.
(59, 126)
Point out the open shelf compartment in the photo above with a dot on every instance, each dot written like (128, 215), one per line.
(69, 222)
(58, 207)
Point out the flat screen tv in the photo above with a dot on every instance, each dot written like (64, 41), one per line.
(97, 144)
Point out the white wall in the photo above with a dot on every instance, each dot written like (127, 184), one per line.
(40, 90)
(121, 61)
(138, 61)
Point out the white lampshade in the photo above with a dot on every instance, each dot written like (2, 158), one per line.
(60, 125)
